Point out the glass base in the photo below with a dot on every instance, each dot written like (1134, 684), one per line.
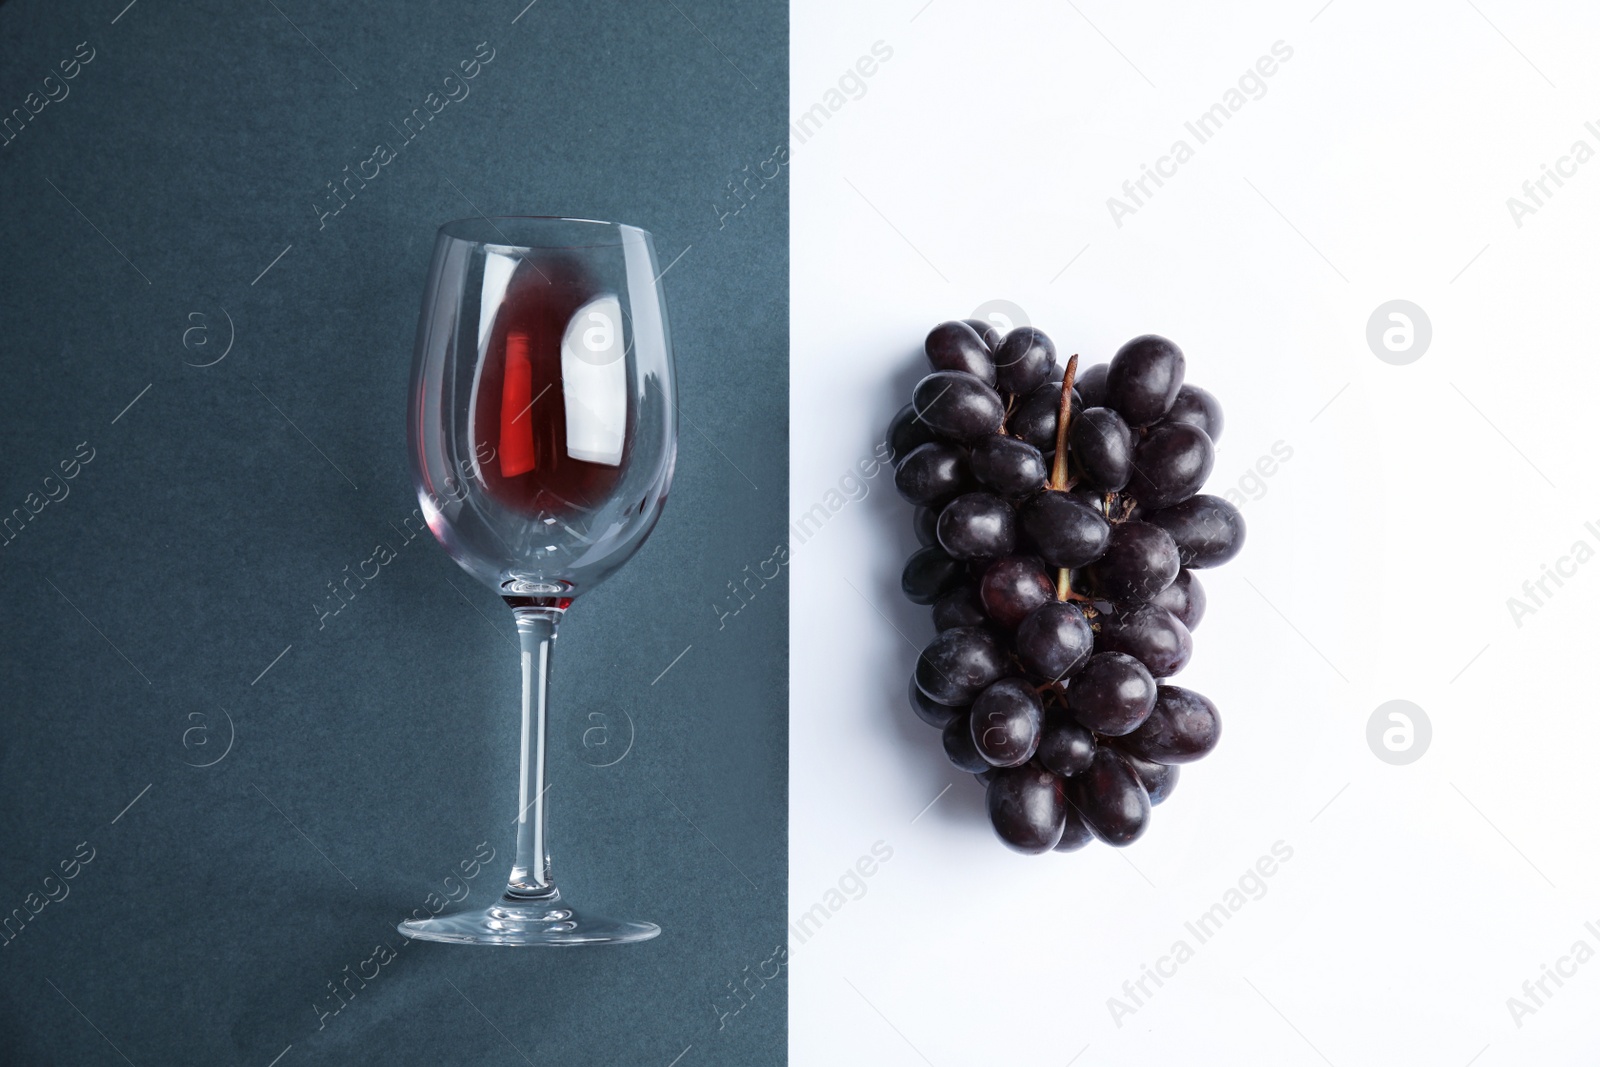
(527, 922)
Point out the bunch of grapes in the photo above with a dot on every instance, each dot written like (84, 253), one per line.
(1061, 522)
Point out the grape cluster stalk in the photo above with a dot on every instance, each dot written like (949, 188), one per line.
(1061, 524)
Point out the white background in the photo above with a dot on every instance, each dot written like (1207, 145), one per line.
(1380, 556)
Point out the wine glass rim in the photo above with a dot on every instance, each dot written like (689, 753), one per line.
(471, 229)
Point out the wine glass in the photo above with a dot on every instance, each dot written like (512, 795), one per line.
(543, 435)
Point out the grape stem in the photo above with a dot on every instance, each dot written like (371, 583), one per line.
(1058, 470)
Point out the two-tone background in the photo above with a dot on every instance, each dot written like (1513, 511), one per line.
(205, 338)
(249, 789)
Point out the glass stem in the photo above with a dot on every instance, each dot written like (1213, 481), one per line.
(530, 874)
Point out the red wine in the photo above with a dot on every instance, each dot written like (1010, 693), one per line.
(546, 445)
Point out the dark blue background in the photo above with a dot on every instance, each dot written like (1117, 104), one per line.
(198, 542)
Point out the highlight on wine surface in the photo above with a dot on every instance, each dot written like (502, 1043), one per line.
(539, 394)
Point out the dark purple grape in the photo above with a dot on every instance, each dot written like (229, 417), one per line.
(956, 346)
(1151, 635)
(1198, 408)
(1112, 695)
(957, 405)
(959, 607)
(932, 473)
(1143, 379)
(932, 712)
(987, 330)
(1064, 531)
(958, 745)
(1208, 530)
(1034, 417)
(1091, 385)
(925, 521)
(1014, 586)
(1065, 747)
(1089, 497)
(1103, 447)
(1024, 360)
(1007, 465)
(1170, 464)
(1159, 779)
(929, 574)
(1184, 598)
(1110, 798)
(1184, 727)
(960, 663)
(977, 526)
(1074, 834)
(906, 432)
(1054, 641)
(1027, 807)
(1138, 563)
(1006, 720)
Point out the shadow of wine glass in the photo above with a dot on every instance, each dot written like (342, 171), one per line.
(344, 982)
